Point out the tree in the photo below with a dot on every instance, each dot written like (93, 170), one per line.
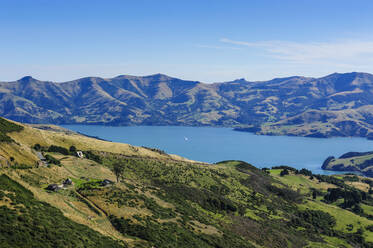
(305, 172)
(118, 170)
(370, 191)
(284, 172)
(37, 147)
(58, 149)
(72, 149)
(314, 194)
(357, 209)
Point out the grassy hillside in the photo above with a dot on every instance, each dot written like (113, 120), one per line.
(27, 222)
(351, 161)
(349, 218)
(7, 127)
(168, 201)
(24, 137)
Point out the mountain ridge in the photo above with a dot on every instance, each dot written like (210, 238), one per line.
(343, 103)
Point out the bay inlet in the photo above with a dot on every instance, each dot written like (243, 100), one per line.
(209, 144)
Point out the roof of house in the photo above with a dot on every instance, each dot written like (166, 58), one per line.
(106, 182)
(40, 156)
(53, 187)
(67, 181)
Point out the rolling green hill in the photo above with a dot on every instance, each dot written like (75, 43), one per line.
(351, 161)
(334, 105)
(164, 200)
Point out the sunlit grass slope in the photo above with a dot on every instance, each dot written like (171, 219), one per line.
(168, 201)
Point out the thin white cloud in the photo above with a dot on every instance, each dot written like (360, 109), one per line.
(218, 47)
(342, 51)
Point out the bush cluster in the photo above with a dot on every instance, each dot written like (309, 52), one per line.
(7, 127)
(38, 224)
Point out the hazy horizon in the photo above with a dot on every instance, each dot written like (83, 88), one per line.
(187, 79)
(205, 41)
(173, 77)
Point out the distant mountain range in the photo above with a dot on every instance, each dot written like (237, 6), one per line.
(334, 105)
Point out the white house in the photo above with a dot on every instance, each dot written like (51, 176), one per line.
(80, 154)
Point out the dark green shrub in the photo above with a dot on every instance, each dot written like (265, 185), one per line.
(314, 194)
(38, 224)
(90, 155)
(170, 234)
(357, 209)
(285, 193)
(370, 228)
(58, 149)
(316, 220)
(353, 178)
(52, 160)
(283, 167)
(155, 150)
(305, 172)
(333, 195)
(205, 198)
(37, 147)
(72, 149)
(284, 172)
(21, 166)
(7, 127)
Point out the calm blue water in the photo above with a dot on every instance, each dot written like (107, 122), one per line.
(209, 144)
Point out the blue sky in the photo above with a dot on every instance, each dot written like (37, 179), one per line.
(208, 41)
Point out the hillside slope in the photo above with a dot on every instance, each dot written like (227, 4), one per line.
(335, 105)
(167, 201)
(352, 161)
(27, 136)
(27, 222)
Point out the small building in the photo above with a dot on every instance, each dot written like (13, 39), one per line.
(40, 156)
(42, 160)
(67, 182)
(80, 154)
(106, 182)
(53, 187)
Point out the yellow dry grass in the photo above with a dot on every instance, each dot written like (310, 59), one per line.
(70, 207)
(77, 167)
(29, 136)
(112, 208)
(159, 201)
(205, 229)
(359, 185)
